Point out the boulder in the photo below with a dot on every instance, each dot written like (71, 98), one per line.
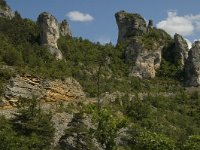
(5, 10)
(49, 33)
(181, 50)
(192, 66)
(65, 29)
(129, 25)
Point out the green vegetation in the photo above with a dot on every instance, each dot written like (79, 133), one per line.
(3, 4)
(166, 117)
(154, 38)
(30, 128)
(155, 123)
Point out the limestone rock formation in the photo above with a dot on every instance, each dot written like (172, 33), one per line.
(76, 136)
(66, 90)
(48, 90)
(65, 29)
(49, 33)
(5, 10)
(181, 50)
(129, 25)
(150, 25)
(144, 44)
(144, 62)
(192, 66)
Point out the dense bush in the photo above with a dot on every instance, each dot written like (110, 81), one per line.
(3, 4)
(31, 128)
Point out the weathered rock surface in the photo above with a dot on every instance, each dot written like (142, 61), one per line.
(181, 50)
(65, 29)
(47, 90)
(144, 61)
(66, 90)
(144, 44)
(49, 33)
(6, 12)
(150, 25)
(192, 66)
(129, 25)
(77, 136)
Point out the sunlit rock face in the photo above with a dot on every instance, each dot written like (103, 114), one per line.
(129, 25)
(26, 86)
(181, 50)
(6, 12)
(49, 33)
(192, 66)
(141, 52)
(65, 29)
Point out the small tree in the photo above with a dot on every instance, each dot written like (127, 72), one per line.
(108, 128)
(33, 124)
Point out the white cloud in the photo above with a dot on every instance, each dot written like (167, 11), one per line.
(184, 25)
(189, 43)
(103, 40)
(79, 16)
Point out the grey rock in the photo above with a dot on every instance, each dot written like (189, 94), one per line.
(55, 52)
(181, 50)
(6, 12)
(65, 29)
(49, 33)
(143, 44)
(21, 87)
(129, 25)
(192, 66)
(61, 120)
(144, 62)
(46, 90)
(77, 136)
(150, 25)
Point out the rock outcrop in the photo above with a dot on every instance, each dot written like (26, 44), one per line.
(192, 66)
(144, 44)
(46, 90)
(181, 50)
(49, 33)
(129, 25)
(144, 62)
(5, 10)
(65, 29)
(77, 136)
(150, 25)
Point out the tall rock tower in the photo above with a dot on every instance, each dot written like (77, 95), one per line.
(142, 50)
(192, 66)
(65, 29)
(49, 33)
(5, 10)
(180, 51)
(129, 25)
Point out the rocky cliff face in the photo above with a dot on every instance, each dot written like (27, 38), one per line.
(65, 29)
(46, 90)
(129, 25)
(181, 50)
(49, 33)
(144, 44)
(145, 62)
(5, 11)
(192, 66)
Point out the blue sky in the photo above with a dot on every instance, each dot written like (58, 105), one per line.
(98, 22)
